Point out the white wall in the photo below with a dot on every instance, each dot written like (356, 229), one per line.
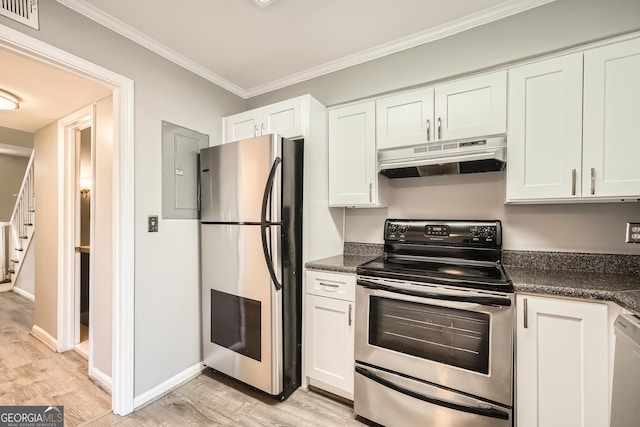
(564, 23)
(45, 171)
(12, 170)
(167, 339)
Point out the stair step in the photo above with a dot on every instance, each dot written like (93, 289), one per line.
(28, 224)
(31, 210)
(11, 271)
(19, 249)
(23, 237)
(5, 281)
(15, 261)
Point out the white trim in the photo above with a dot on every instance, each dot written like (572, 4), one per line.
(123, 95)
(68, 128)
(23, 293)
(136, 36)
(102, 378)
(168, 385)
(44, 337)
(486, 16)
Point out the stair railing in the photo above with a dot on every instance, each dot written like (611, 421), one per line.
(22, 221)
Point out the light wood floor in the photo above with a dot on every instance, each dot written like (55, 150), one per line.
(30, 374)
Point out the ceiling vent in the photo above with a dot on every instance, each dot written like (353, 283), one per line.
(22, 11)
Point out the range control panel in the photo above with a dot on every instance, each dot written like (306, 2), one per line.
(452, 232)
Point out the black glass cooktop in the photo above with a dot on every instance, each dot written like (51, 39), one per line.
(472, 274)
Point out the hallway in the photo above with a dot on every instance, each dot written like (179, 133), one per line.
(31, 374)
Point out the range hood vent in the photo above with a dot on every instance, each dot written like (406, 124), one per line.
(452, 157)
(22, 11)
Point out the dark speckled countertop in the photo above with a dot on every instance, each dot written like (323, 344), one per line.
(605, 277)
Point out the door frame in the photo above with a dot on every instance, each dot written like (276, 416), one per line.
(69, 129)
(123, 209)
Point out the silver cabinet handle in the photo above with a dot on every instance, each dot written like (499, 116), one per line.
(573, 182)
(262, 129)
(439, 128)
(428, 130)
(330, 285)
(255, 130)
(350, 309)
(526, 313)
(370, 192)
(593, 181)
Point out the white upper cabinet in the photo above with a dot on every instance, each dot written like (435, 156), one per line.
(405, 119)
(611, 152)
(472, 107)
(575, 140)
(545, 129)
(466, 108)
(353, 175)
(285, 118)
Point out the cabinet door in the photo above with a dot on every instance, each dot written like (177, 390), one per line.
(611, 144)
(405, 119)
(472, 107)
(562, 363)
(329, 355)
(545, 129)
(284, 118)
(353, 179)
(241, 126)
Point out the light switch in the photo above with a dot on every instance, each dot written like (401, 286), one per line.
(152, 224)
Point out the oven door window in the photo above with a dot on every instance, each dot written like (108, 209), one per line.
(441, 334)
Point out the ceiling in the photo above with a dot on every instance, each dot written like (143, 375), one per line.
(244, 48)
(46, 93)
(251, 50)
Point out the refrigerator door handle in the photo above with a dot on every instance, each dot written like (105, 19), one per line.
(264, 224)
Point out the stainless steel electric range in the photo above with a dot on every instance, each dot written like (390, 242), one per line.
(434, 327)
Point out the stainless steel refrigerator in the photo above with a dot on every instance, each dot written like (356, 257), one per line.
(251, 244)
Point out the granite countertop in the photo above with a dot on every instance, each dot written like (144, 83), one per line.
(623, 289)
(346, 263)
(587, 276)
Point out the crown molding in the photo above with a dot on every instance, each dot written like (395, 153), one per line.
(474, 20)
(136, 36)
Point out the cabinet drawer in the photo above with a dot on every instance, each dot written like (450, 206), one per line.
(332, 285)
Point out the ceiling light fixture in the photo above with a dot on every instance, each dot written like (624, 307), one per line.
(8, 101)
(263, 3)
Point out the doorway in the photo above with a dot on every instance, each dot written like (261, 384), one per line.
(83, 282)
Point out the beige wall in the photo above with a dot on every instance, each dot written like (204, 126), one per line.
(573, 227)
(102, 246)
(12, 171)
(16, 137)
(46, 236)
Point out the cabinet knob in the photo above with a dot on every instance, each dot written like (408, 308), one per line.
(439, 128)
(526, 313)
(573, 182)
(350, 309)
(255, 130)
(593, 181)
(370, 192)
(428, 130)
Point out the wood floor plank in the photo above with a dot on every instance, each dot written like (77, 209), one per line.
(31, 374)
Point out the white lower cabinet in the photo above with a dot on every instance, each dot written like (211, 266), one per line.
(329, 332)
(562, 363)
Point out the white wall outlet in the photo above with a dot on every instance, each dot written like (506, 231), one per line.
(633, 232)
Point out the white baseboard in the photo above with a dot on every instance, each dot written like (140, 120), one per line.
(104, 381)
(24, 293)
(44, 337)
(167, 386)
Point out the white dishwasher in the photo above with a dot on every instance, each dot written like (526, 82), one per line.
(625, 405)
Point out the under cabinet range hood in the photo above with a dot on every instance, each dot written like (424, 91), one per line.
(446, 158)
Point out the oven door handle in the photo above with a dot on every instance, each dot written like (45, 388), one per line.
(486, 412)
(475, 299)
